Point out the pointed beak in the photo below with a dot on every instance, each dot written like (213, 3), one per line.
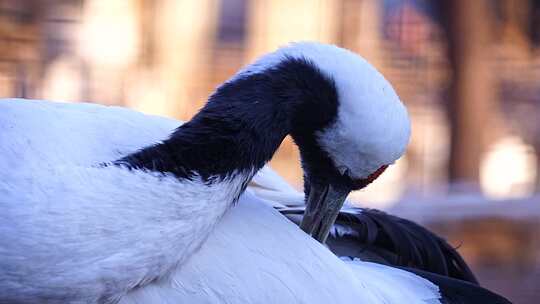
(324, 202)
(322, 208)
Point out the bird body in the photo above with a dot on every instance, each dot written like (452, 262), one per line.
(104, 205)
(254, 255)
(110, 220)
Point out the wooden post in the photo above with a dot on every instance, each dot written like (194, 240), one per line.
(472, 94)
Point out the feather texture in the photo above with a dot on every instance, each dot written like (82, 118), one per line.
(383, 238)
(254, 255)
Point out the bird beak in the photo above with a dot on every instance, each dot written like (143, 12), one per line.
(322, 208)
(324, 202)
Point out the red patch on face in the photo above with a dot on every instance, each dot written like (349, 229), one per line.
(363, 182)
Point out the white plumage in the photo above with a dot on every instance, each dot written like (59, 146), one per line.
(254, 255)
(100, 220)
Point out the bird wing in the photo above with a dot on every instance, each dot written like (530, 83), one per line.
(255, 255)
(376, 236)
(369, 240)
(38, 133)
(410, 288)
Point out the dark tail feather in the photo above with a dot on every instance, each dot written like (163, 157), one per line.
(456, 291)
(373, 235)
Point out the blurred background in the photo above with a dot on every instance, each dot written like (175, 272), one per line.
(468, 71)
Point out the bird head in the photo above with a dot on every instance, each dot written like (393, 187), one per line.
(349, 128)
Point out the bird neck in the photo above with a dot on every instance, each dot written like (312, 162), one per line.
(244, 122)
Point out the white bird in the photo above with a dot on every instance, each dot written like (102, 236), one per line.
(141, 229)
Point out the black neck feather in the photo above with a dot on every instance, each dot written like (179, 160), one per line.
(244, 122)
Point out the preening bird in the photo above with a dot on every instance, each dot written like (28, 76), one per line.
(105, 205)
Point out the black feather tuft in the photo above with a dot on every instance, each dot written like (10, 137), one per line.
(373, 235)
(455, 291)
